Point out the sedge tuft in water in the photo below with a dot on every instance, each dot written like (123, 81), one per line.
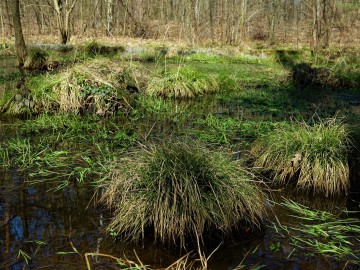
(315, 156)
(181, 191)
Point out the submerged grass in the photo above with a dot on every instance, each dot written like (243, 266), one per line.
(225, 130)
(314, 155)
(71, 148)
(324, 233)
(42, 162)
(181, 190)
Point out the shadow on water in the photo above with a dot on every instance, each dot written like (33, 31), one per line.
(8, 71)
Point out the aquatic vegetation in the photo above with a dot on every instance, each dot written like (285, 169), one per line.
(43, 162)
(81, 130)
(159, 109)
(181, 190)
(182, 82)
(315, 155)
(327, 234)
(219, 130)
(289, 57)
(225, 129)
(265, 103)
(146, 55)
(325, 77)
(4, 156)
(24, 154)
(124, 264)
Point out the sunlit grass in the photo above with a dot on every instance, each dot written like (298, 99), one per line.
(181, 190)
(182, 82)
(315, 156)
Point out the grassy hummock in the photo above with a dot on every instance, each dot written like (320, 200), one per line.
(315, 156)
(180, 190)
(97, 86)
(182, 82)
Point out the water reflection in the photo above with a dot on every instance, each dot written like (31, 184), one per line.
(37, 223)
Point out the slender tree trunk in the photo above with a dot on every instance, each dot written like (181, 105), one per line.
(242, 19)
(20, 47)
(63, 11)
(316, 31)
(2, 22)
(8, 17)
(211, 15)
(109, 17)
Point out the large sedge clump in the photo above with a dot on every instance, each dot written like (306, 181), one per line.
(315, 156)
(180, 191)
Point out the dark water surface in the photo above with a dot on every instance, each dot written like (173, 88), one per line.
(56, 228)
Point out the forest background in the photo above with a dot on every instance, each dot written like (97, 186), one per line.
(313, 23)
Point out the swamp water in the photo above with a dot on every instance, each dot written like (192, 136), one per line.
(44, 226)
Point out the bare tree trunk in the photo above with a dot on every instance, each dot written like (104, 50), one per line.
(20, 47)
(109, 17)
(195, 20)
(211, 14)
(8, 16)
(316, 30)
(63, 11)
(273, 19)
(2, 22)
(242, 19)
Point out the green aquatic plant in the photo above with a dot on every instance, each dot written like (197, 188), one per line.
(224, 129)
(320, 232)
(4, 156)
(180, 190)
(182, 82)
(315, 155)
(220, 130)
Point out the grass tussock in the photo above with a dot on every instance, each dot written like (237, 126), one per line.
(182, 83)
(95, 48)
(180, 190)
(315, 156)
(97, 86)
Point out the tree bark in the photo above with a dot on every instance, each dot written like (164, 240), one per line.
(20, 47)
